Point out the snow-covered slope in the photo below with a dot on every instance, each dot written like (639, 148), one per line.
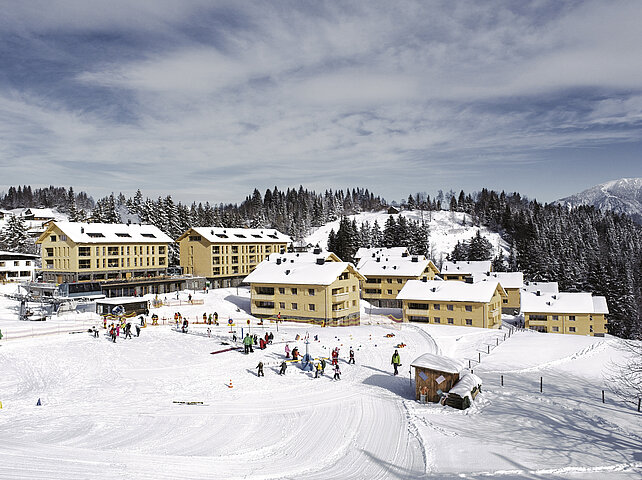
(621, 196)
(446, 229)
(107, 409)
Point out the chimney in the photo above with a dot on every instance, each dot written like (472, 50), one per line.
(378, 259)
(415, 259)
(82, 229)
(287, 272)
(320, 261)
(469, 279)
(538, 293)
(404, 254)
(317, 251)
(424, 279)
(554, 297)
(488, 274)
(129, 222)
(278, 261)
(433, 289)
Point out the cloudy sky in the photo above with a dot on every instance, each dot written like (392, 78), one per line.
(207, 100)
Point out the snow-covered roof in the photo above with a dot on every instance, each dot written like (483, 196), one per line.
(543, 287)
(506, 279)
(364, 252)
(466, 267)
(239, 235)
(298, 273)
(40, 212)
(11, 255)
(394, 266)
(437, 290)
(563, 303)
(304, 257)
(466, 384)
(120, 300)
(439, 363)
(110, 233)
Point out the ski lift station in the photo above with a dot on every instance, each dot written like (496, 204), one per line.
(131, 305)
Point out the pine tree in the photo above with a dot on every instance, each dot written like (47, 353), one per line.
(14, 236)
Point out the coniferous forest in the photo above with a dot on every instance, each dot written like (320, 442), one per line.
(582, 249)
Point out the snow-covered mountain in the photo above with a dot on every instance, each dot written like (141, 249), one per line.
(621, 196)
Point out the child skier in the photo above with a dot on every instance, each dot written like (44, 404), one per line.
(284, 367)
(287, 351)
(260, 373)
(351, 360)
(337, 373)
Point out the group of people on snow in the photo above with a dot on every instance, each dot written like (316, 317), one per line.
(114, 331)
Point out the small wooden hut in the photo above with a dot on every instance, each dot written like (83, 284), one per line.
(435, 374)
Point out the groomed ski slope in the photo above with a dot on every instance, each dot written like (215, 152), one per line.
(107, 409)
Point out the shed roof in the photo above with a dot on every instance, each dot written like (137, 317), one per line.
(465, 385)
(238, 235)
(439, 290)
(563, 303)
(438, 363)
(109, 233)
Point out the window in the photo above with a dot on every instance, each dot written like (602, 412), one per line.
(389, 292)
(265, 290)
(84, 263)
(436, 306)
(555, 329)
(354, 303)
(437, 320)
(216, 249)
(449, 307)
(28, 263)
(571, 329)
(235, 249)
(311, 292)
(469, 321)
(504, 300)
(268, 249)
(590, 328)
(235, 259)
(282, 292)
(63, 238)
(235, 269)
(571, 318)
(418, 306)
(555, 318)
(295, 306)
(373, 291)
(84, 251)
(112, 263)
(451, 321)
(112, 251)
(469, 308)
(53, 238)
(311, 307)
(195, 238)
(282, 305)
(148, 235)
(294, 291)
(399, 280)
(216, 270)
(389, 280)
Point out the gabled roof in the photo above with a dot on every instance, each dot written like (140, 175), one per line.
(563, 303)
(238, 235)
(395, 266)
(438, 363)
(40, 212)
(437, 290)
(364, 252)
(506, 279)
(465, 267)
(5, 254)
(299, 273)
(543, 287)
(79, 232)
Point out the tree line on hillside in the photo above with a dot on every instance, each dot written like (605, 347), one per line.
(49, 197)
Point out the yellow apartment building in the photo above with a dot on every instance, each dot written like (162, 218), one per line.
(386, 275)
(453, 303)
(74, 251)
(316, 290)
(463, 269)
(226, 255)
(511, 282)
(572, 313)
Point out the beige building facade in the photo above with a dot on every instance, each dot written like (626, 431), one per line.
(574, 313)
(74, 252)
(322, 291)
(453, 303)
(226, 255)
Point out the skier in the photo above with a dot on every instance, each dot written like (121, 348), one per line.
(287, 351)
(128, 330)
(295, 353)
(262, 344)
(209, 332)
(270, 338)
(138, 330)
(260, 370)
(95, 332)
(215, 318)
(185, 324)
(396, 361)
(284, 366)
(335, 356)
(267, 338)
(319, 370)
(337, 373)
(112, 332)
(209, 319)
(323, 364)
(247, 341)
(351, 360)
(204, 317)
